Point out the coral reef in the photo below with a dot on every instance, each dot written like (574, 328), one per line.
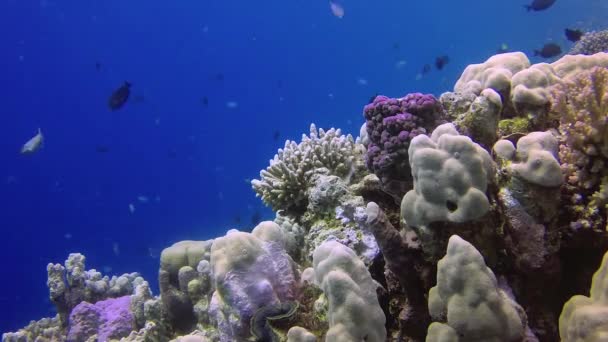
(352, 255)
(391, 124)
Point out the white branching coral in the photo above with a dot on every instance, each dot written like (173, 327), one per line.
(284, 184)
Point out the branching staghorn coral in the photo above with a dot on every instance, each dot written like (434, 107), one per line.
(582, 108)
(284, 184)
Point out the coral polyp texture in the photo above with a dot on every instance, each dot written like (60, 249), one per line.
(582, 108)
(450, 179)
(391, 124)
(591, 43)
(468, 300)
(283, 184)
(351, 255)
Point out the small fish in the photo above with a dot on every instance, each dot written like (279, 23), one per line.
(98, 66)
(219, 76)
(143, 199)
(34, 144)
(205, 101)
(549, 50)
(107, 269)
(396, 46)
(539, 5)
(102, 148)
(237, 219)
(276, 135)
(361, 81)
(119, 97)
(336, 9)
(503, 48)
(426, 69)
(172, 154)
(573, 35)
(131, 208)
(279, 84)
(232, 104)
(67, 236)
(441, 61)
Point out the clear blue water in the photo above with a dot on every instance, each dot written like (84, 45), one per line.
(285, 63)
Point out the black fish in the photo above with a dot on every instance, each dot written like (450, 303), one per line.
(396, 46)
(276, 135)
(119, 96)
(548, 51)
(426, 68)
(539, 5)
(102, 149)
(573, 35)
(219, 76)
(205, 101)
(98, 66)
(279, 84)
(441, 61)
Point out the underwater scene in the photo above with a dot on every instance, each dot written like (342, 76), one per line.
(343, 170)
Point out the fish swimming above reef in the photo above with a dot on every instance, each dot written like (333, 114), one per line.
(539, 5)
(34, 144)
(549, 50)
(504, 48)
(336, 9)
(573, 35)
(441, 61)
(119, 97)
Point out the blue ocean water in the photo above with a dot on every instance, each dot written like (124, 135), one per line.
(264, 68)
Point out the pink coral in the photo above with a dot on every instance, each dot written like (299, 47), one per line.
(581, 105)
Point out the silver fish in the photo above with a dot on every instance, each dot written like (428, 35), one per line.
(34, 144)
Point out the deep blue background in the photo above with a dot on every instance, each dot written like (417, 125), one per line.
(286, 63)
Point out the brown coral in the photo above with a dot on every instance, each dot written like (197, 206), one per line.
(581, 105)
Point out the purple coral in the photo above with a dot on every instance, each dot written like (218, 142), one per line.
(391, 125)
(108, 319)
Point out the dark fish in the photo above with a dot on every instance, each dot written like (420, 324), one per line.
(573, 35)
(98, 66)
(119, 96)
(276, 135)
(205, 101)
(279, 84)
(426, 69)
(237, 219)
(256, 218)
(441, 61)
(548, 51)
(396, 46)
(219, 76)
(539, 5)
(102, 148)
